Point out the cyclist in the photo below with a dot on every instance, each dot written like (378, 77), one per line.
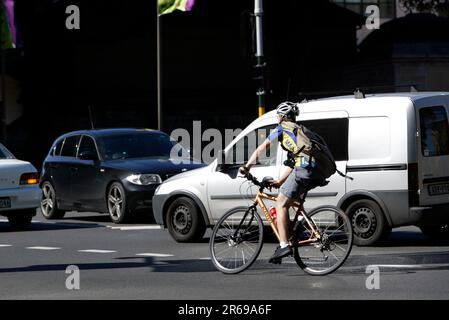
(305, 175)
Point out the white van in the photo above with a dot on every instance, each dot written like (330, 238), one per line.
(395, 146)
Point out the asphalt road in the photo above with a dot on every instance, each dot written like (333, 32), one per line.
(139, 261)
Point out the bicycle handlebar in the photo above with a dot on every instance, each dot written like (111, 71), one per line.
(264, 184)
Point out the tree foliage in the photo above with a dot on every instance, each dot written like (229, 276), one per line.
(440, 7)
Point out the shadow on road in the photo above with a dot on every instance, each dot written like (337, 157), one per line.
(400, 238)
(41, 226)
(152, 264)
(139, 217)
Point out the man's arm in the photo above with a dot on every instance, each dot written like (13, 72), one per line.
(255, 156)
(284, 176)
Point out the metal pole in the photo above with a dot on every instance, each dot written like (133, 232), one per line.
(3, 95)
(159, 77)
(258, 12)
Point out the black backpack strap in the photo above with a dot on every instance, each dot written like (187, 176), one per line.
(344, 175)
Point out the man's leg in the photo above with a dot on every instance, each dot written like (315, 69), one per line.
(283, 225)
(283, 219)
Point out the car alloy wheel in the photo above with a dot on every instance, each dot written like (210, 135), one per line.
(48, 199)
(116, 203)
(49, 205)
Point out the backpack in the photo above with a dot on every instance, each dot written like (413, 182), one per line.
(316, 148)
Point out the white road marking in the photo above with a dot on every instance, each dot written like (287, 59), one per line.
(163, 255)
(43, 248)
(406, 266)
(5, 245)
(97, 251)
(127, 228)
(6, 220)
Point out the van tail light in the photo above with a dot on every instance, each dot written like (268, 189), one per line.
(413, 184)
(29, 178)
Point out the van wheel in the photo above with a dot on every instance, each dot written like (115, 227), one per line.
(184, 220)
(440, 232)
(368, 222)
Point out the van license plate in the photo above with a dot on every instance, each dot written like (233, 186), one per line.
(5, 203)
(436, 189)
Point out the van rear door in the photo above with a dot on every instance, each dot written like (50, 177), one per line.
(433, 151)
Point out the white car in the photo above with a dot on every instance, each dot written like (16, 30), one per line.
(395, 146)
(20, 194)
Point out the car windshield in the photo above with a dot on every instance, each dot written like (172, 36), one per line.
(4, 153)
(138, 145)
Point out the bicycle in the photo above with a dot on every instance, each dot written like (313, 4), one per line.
(321, 239)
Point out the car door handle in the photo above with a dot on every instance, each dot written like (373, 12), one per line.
(73, 169)
(54, 166)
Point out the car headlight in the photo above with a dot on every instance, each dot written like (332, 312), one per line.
(144, 179)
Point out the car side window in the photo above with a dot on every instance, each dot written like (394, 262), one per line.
(70, 146)
(57, 148)
(242, 150)
(87, 145)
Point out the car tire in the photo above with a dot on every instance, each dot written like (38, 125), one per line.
(184, 220)
(49, 204)
(368, 222)
(438, 232)
(116, 203)
(20, 221)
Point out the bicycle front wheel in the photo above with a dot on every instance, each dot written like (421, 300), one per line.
(236, 240)
(333, 247)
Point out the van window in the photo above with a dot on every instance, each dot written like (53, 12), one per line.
(434, 131)
(334, 132)
(244, 148)
(70, 146)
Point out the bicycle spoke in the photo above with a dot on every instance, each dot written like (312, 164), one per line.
(332, 249)
(236, 241)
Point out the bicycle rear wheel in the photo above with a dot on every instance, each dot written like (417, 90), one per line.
(331, 251)
(236, 240)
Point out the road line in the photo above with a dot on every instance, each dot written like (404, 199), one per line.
(162, 255)
(43, 248)
(97, 251)
(408, 266)
(6, 220)
(5, 245)
(152, 227)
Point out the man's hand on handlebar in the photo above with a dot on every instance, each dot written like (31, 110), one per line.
(244, 170)
(275, 184)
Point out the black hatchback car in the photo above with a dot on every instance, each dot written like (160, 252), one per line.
(114, 171)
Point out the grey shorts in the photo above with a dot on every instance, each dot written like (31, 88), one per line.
(300, 181)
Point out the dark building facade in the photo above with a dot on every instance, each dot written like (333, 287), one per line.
(109, 65)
